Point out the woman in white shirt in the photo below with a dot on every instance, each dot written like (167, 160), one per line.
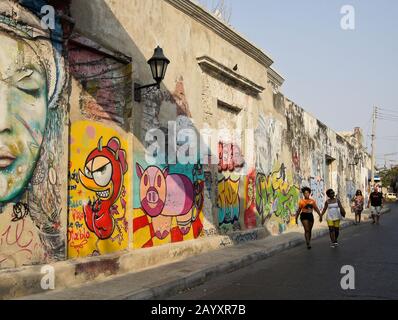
(335, 212)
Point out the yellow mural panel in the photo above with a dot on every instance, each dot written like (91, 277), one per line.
(99, 190)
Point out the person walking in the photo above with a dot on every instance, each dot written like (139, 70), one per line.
(376, 204)
(305, 212)
(357, 205)
(335, 212)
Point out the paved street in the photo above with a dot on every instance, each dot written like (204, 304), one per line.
(301, 274)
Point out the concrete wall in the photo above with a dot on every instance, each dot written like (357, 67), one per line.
(92, 132)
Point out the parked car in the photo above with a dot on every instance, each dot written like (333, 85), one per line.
(391, 196)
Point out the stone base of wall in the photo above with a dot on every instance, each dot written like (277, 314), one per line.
(27, 280)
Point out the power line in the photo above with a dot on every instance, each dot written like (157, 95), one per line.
(387, 116)
(384, 115)
(387, 113)
(391, 120)
(394, 111)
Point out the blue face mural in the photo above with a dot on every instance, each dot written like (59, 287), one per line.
(32, 78)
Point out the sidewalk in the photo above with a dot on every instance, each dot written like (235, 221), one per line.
(167, 280)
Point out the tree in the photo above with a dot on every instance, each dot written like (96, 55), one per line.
(219, 8)
(389, 177)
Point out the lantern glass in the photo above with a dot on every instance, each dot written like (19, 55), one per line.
(154, 69)
(164, 70)
(158, 64)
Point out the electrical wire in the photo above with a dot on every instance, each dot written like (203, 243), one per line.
(390, 110)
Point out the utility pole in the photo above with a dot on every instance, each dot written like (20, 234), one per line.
(374, 146)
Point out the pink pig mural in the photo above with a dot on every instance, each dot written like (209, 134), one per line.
(165, 196)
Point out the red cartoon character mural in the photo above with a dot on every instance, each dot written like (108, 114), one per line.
(103, 174)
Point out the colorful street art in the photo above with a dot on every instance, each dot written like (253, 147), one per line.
(228, 203)
(32, 115)
(230, 157)
(170, 205)
(231, 161)
(276, 199)
(99, 190)
(268, 143)
(105, 82)
(251, 217)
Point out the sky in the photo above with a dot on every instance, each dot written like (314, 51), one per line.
(335, 74)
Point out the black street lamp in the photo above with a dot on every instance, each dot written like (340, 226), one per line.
(158, 64)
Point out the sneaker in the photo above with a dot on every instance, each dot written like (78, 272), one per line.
(332, 245)
(336, 244)
(309, 247)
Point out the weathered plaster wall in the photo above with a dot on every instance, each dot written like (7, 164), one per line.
(74, 178)
(292, 148)
(100, 151)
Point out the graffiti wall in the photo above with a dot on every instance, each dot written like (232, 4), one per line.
(276, 200)
(100, 161)
(104, 80)
(32, 131)
(72, 184)
(276, 194)
(268, 143)
(251, 217)
(99, 190)
(229, 184)
(168, 205)
(169, 200)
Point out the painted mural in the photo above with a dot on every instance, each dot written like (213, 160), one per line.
(276, 199)
(99, 190)
(276, 194)
(268, 143)
(32, 122)
(99, 174)
(170, 204)
(251, 217)
(105, 81)
(230, 157)
(228, 187)
(228, 203)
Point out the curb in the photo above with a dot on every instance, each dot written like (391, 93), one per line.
(167, 288)
(200, 277)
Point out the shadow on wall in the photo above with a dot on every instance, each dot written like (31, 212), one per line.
(168, 199)
(172, 202)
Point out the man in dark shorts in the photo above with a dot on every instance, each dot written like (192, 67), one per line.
(376, 204)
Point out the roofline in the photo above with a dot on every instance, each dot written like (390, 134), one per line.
(275, 77)
(201, 15)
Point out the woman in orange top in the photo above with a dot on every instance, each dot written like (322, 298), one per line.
(305, 211)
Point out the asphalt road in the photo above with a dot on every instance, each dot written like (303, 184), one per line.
(301, 274)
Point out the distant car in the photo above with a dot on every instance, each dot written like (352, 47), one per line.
(391, 196)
